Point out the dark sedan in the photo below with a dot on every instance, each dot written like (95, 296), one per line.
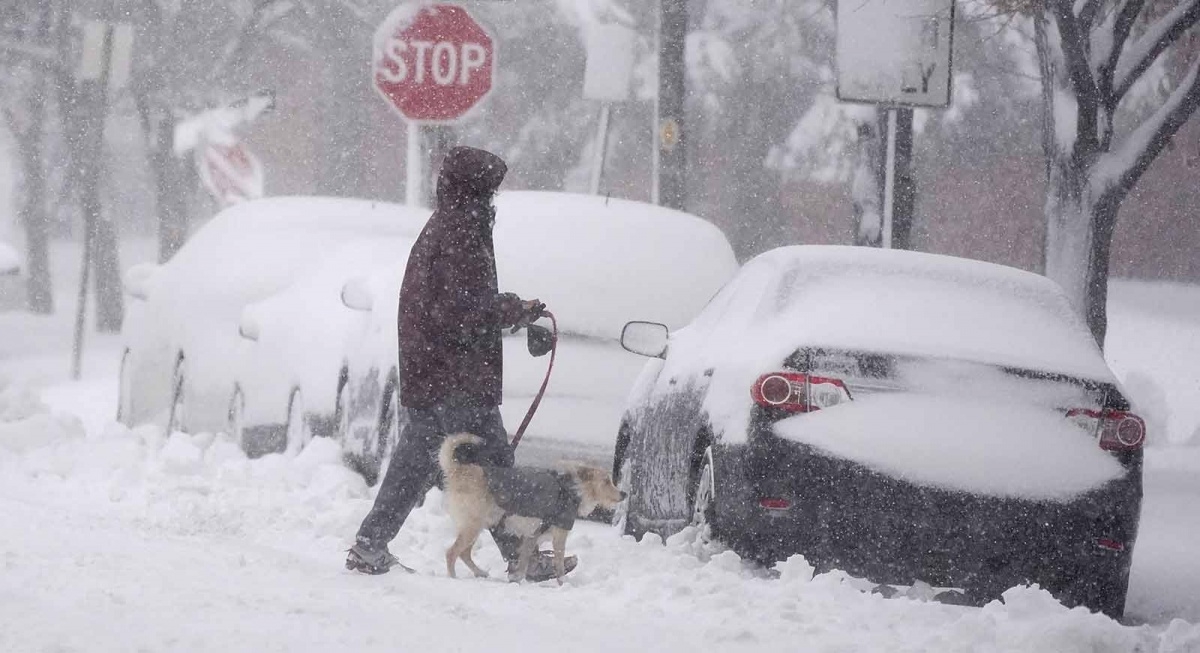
(900, 416)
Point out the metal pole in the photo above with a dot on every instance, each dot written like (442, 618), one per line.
(904, 193)
(96, 101)
(412, 166)
(671, 134)
(601, 148)
(889, 179)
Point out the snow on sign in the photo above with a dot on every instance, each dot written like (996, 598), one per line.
(895, 52)
(231, 173)
(432, 63)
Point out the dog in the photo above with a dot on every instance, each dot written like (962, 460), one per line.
(533, 504)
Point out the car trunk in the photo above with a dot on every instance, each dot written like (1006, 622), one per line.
(944, 508)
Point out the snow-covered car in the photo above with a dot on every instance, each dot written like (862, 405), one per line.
(180, 335)
(291, 361)
(900, 416)
(596, 263)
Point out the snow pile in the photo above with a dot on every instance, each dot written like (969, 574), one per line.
(1153, 344)
(960, 444)
(91, 523)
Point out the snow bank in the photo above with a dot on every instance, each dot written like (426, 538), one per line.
(90, 524)
(1153, 345)
(976, 446)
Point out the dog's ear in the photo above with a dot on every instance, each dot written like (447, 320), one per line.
(585, 474)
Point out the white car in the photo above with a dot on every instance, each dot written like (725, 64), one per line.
(290, 363)
(597, 263)
(180, 334)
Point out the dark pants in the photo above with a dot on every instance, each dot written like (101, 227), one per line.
(414, 467)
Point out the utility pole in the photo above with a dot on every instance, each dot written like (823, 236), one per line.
(670, 151)
(899, 188)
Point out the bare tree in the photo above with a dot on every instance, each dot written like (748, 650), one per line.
(1095, 55)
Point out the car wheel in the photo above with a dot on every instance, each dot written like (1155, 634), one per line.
(236, 425)
(341, 415)
(125, 391)
(704, 501)
(299, 432)
(391, 419)
(620, 516)
(177, 420)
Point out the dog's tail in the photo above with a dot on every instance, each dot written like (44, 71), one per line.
(457, 450)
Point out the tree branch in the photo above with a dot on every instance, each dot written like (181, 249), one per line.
(1117, 171)
(1121, 27)
(1158, 37)
(1091, 9)
(1074, 44)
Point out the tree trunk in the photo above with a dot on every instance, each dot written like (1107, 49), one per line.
(171, 189)
(30, 147)
(866, 185)
(1079, 229)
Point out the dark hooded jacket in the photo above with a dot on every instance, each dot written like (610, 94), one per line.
(451, 313)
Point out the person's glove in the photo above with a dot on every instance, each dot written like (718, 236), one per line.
(530, 311)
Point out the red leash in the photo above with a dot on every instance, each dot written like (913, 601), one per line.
(537, 399)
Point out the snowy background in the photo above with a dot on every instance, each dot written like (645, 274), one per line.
(117, 539)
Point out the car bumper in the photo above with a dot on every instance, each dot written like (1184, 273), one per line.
(844, 516)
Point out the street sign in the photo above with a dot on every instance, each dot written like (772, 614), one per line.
(895, 52)
(432, 63)
(231, 173)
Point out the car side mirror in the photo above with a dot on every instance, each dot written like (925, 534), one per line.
(539, 340)
(357, 295)
(645, 339)
(137, 280)
(248, 327)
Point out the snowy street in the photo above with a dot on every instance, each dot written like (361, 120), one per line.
(120, 540)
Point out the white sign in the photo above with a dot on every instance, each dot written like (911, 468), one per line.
(611, 51)
(895, 52)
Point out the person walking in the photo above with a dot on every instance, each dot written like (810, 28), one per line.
(449, 328)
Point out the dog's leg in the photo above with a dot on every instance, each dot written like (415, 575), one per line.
(461, 543)
(559, 540)
(465, 556)
(528, 546)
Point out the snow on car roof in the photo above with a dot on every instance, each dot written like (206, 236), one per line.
(600, 262)
(887, 301)
(259, 247)
(926, 305)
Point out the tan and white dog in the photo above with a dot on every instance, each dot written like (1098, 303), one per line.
(534, 504)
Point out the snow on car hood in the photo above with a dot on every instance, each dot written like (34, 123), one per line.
(952, 442)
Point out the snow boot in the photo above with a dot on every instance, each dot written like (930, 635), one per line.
(542, 567)
(368, 560)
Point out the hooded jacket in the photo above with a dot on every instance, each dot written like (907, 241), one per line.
(451, 313)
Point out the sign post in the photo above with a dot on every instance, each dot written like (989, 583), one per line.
(896, 54)
(433, 64)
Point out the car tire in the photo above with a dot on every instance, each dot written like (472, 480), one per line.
(298, 432)
(387, 439)
(236, 423)
(177, 416)
(125, 391)
(704, 501)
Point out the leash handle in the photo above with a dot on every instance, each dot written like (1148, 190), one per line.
(537, 399)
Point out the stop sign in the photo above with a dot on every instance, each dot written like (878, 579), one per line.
(432, 63)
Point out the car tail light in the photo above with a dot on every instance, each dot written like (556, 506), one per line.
(1116, 430)
(1110, 544)
(798, 393)
(774, 503)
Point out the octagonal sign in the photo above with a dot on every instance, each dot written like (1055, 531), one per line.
(432, 63)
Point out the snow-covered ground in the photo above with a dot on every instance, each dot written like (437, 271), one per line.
(122, 540)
